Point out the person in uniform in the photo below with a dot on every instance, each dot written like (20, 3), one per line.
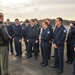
(25, 32)
(38, 28)
(58, 44)
(68, 44)
(45, 38)
(51, 35)
(32, 40)
(74, 58)
(17, 35)
(72, 40)
(4, 37)
(10, 31)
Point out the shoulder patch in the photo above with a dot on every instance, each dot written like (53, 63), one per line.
(37, 28)
(65, 31)
(22, 28)
(48, 32)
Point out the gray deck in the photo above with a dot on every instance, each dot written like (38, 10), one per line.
(30, 66)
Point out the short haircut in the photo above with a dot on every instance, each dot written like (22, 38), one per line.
(35, 19)
(47, 19)
(26, 21)
(16, 19)
(32, 20)
(60, 19)
(7, 19)
(1, 14)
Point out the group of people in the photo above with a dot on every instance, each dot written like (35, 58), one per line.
(35, 37)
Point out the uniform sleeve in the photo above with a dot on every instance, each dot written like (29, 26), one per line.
(74, 44)
(62, 38)
(51, 35)
(5, 34)
(54, 36)
(12, 31)
(39, 29)
(37, 33)
(68, 37)
(21, 32)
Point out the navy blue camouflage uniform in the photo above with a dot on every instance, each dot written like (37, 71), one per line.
(59, 39)
(72, 41)
(17, 34)
(45, 38)
(74, 59)
(10, 31)
(25, 33)
(68, 41)
(51, 37)
(32, 37)
(37, 45)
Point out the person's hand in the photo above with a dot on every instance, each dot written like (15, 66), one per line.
(27, 40)
(74, 48)
(20, 40)
(36, 41)
(40, 38)
(54, 45)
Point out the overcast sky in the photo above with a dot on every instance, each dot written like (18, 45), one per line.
(39, 9)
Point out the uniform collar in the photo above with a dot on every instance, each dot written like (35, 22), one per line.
(46, 28)
(8, 24)
(32, 25)
(59, 27)
(17, 25)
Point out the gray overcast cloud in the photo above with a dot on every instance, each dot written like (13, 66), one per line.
(23, 9)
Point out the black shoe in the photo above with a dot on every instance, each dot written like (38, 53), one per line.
(53, 56)
(45, 64)
(29, 56)
(12, 54)
(69, 62)
(66, 61)
(16, 55)
(52, 66)
(60, 72)
(42, 63)
(33, 51)
(26, 54)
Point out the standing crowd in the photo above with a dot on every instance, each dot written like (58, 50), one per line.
(35, 37)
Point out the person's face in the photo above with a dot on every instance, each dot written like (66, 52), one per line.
(71, 25)
(43, 25)
(17, 22)
(35, 22)
(31, 22)
(8, 22)
(57, 22)
(27, 24)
